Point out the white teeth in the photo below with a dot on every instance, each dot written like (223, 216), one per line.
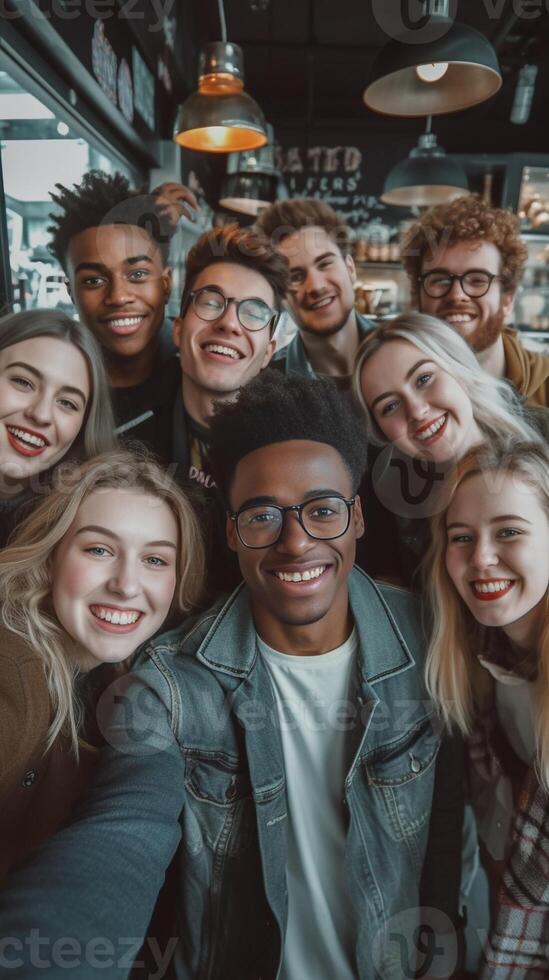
(126, 321)
(459, 317)
(220, 349)
(114, 616)
(498, 586)
(427, 433)
(305, 576)
(27, 437)
(322, 302)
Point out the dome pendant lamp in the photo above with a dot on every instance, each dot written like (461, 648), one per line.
(221, 117)
(252, 181)
(442, 66)
(425, 177)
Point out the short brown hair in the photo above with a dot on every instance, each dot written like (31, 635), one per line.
(284, 218)
(467, 219)
(243, 246)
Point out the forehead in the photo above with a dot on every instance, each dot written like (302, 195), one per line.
(390, 363)
(461, 256)
(305, 245)
(235, 280)
(129, 514)
(111, 246)
(287, 471)
(485, 496)
(58, 361)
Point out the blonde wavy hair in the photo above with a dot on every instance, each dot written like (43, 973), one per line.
(456, 681)
(26, 566)
(497, 410)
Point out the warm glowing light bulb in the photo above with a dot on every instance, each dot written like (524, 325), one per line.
(432, 73)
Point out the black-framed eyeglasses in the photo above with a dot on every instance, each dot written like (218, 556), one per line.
(210, 303)
(324, 518)
(475, 282)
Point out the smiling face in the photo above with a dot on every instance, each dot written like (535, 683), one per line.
(220, 356)
(44, 390)
(114, 574)
(288, 473)
(417, 405)
(120, 287)
(321, 297)
(498, 552)
(479, 320)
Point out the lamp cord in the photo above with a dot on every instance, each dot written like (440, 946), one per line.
(222, 21)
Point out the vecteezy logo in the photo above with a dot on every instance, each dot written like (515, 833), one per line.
(412, 21)
(408, 487)
(416, 943)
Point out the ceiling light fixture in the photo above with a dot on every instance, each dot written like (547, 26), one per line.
(444, 66)
(426, 177)
(221, 117)
(252, 181)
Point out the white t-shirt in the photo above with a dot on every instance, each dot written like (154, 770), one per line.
(314, 708)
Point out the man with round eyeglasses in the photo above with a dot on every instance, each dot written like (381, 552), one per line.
(465, 262)
(235, 283)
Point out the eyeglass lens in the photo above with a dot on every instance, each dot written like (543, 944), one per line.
(253, 314)
(261, 526)
(438, 284)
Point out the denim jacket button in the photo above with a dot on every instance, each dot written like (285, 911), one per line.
(29, 778)
(230, 792)
(415, 764)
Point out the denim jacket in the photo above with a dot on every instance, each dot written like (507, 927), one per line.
(196, 760)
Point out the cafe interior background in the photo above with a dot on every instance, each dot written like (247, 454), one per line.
(378, 107)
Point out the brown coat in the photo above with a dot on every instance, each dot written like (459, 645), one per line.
(38, 789)
(528, 370)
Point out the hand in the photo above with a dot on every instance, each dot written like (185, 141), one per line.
(177, 201)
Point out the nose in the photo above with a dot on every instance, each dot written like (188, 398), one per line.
(416, 406)
(294, 539)
(119, 292)
(40, 409)
(124, 581)
(229, 320)
(483, 554)
(315, 280)
(457, 291)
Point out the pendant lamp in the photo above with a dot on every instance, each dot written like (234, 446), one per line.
(425, 177)
(221, 117)
(442, 66)
(252, 181)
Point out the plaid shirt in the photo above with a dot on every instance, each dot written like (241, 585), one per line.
(517, 947)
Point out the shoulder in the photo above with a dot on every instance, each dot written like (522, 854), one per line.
(24, 701)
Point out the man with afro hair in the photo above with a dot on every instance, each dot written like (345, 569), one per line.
(465, 261)
(113, 243)
(284, 741)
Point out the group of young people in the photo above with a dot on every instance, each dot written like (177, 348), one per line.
(294, 751)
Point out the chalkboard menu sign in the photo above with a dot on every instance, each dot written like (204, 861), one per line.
(347, 175)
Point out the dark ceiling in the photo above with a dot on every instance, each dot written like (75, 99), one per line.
(307, 63)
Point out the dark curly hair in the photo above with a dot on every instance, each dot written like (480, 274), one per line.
(243, 246)
(467, 219)
(284, 218)
(103, 199)
(273, 408)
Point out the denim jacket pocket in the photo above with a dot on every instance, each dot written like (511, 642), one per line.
(212, 781)
(403, 773)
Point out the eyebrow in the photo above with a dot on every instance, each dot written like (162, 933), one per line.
(493, 520)
(100, 267)
(387, 394)
(38, 374)
(272, 501)
(319, 258)
(97, 529)
(441, 268)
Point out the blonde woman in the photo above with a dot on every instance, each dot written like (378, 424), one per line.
(54, 403)
(93, 573)
(487, 577)
(426, 402)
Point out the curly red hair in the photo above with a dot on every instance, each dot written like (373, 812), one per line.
(467, 219)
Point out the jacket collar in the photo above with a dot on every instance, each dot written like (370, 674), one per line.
(230, 644)
(295, 354)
